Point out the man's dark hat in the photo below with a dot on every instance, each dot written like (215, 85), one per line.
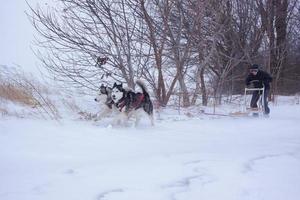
(254, 66)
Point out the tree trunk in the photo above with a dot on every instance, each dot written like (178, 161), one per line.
(184, 90)
(203, 87)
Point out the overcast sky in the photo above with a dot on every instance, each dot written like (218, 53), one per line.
(16, 35)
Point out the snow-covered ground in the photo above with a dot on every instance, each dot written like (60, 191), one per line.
(180, 158)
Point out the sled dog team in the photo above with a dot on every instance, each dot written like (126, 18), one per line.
(129, 103)
(126, 102)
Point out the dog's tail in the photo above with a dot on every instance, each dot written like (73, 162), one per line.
(148, 106)
(141, 84)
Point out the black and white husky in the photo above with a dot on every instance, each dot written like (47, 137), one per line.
(131, 103)
(105, 100)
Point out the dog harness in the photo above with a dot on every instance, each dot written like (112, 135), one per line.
(122, 103)
(139, 100)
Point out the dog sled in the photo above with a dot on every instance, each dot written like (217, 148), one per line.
(248, 111)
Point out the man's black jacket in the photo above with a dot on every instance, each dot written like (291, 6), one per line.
(259, 80)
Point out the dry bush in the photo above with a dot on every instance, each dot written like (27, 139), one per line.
(20, 88)
(87, 116)
(71, 105)
(3, 111)
(16, 94)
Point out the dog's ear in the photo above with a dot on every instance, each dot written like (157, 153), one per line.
(102, 85)
(115, 84)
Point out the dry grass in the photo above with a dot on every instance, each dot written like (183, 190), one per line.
(3, 111)
(16, 94)
(20, 88)
(87, 116)
(71, 105)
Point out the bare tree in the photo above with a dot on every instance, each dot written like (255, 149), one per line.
(77, 34)
(171, 29)
(238, 37)
(201, 53)
(156, 38)
(191, 46)
(275, 19)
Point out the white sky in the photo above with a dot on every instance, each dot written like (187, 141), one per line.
(16, 35)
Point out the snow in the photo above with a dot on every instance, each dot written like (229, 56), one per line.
(180, 158)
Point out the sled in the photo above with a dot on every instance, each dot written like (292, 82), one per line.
(246, 110)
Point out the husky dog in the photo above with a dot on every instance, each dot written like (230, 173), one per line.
(132, 103)
(104, 97)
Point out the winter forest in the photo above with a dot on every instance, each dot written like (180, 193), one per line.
(149, 100)
(198, 49)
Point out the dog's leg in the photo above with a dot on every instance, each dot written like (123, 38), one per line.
(125, 118)
(104, 113)
(138, 116)
(116, 120)
(151, 117)
(120, 119)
